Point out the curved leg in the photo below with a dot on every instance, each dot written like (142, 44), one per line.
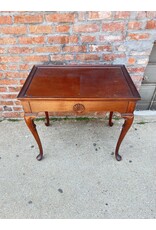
(47, 119)
(127, 124)
(30, 123)
(110, 119)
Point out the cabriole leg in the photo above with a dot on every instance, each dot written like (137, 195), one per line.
(127, 124)
(30, 123)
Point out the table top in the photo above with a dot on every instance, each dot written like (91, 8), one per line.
(79, 81)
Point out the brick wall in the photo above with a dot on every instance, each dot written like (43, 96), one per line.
(28, 38)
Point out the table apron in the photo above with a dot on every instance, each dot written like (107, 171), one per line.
(71, 106)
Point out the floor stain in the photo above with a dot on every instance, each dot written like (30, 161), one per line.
(60, 190)
(29, 202)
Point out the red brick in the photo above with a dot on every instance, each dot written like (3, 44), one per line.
(14, 30)
(2, 50)
(35, 58)
(10, 58)
(28, 18)
(9, 96)
(14, 74)
(32, 40)
(134, 25)
(113, 26)
(5, 20)
(88, 28)
(88, 39)
(14, 89)
(47, 49)
(111, 38)
(8, 82)
(73, 39)
(151, 14)
(87, 57)
(111, 57)
(62, 28)
(81, 16)
(122, 14)
(58, 39)
(24, 67)
(60, 17)
(136, 69)
(17, 108)
(12, 67)
(138, 36)
(141, 15)
(11, 114)
(17, 103)
(7, 40)
(97, 15)
(6, 102)
(59, 57)
(1, 75)
(20, 50)
(23, 74)
(22, 81)
(75, 49)
(39, 29)
(63, 39)
(97, 48)
(151, 24)
(3, 67)
(3, 89)
(108, 57)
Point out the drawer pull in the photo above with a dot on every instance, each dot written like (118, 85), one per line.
(78, 108)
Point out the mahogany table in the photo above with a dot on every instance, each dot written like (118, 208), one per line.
(80, 89)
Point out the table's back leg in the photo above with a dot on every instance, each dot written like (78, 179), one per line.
(127, 124)
(110, 119)
(30, 123)
(47, 119)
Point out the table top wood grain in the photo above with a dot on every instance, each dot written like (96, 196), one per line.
(98, 82)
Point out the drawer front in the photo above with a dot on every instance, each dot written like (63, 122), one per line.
(79, 107)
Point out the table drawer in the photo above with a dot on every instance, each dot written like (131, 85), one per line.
(78, 107)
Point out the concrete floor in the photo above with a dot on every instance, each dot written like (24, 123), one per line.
(78, 177)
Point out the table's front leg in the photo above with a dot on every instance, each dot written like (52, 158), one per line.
(29, 119)
(127, 124)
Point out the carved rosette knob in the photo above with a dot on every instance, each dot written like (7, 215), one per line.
(78, 108)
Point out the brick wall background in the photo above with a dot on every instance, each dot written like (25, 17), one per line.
(28, 38)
